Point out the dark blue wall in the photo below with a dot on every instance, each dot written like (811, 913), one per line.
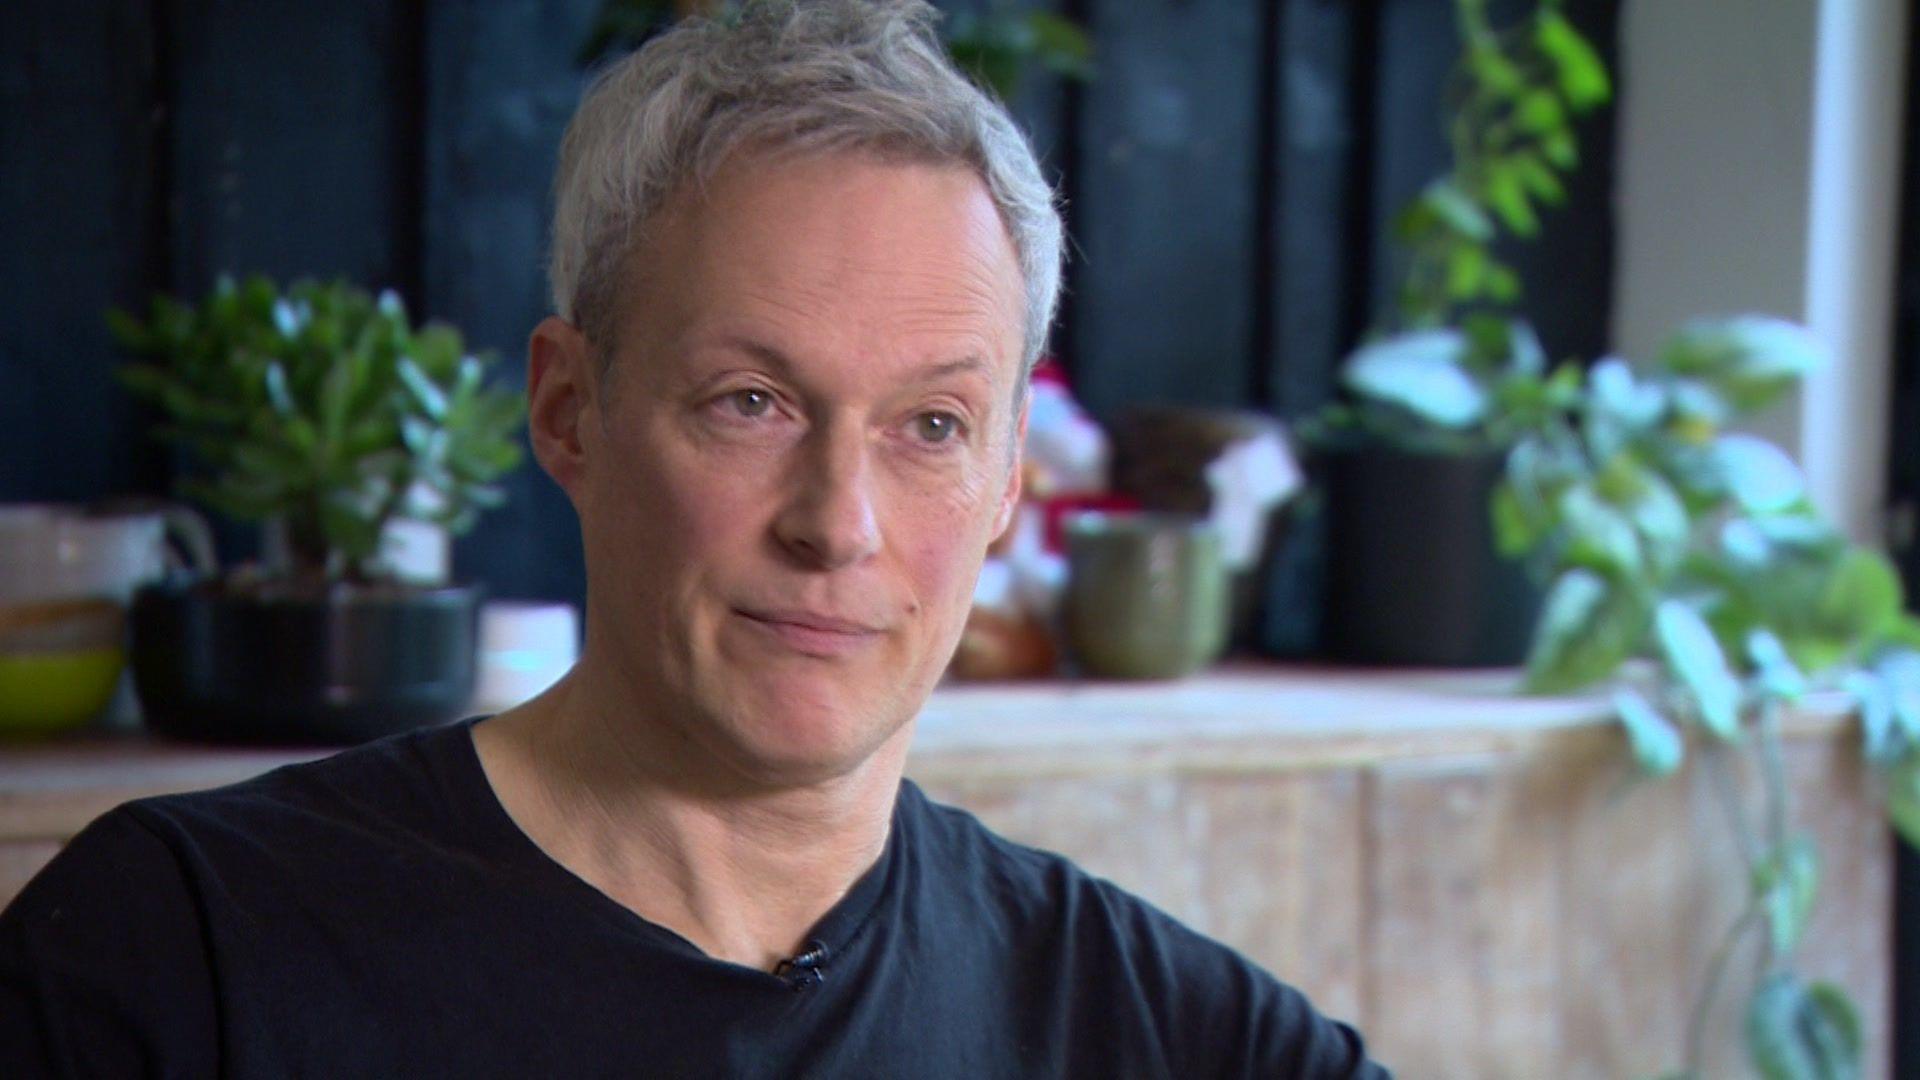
(1227, 173)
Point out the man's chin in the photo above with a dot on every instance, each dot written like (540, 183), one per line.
(798, 743)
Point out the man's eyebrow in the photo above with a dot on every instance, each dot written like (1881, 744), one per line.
(759, 350)
(971, 363)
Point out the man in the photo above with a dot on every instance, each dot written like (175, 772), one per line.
(802, 269)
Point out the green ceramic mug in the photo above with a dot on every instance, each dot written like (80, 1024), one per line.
(1147, 594)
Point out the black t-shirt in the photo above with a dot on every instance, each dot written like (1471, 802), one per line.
(377, 913)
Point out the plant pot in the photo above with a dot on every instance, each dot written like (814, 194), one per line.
(1412, 575)
(1162, 458)
(357, 663)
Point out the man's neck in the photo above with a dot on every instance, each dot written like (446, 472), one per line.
(743, 872)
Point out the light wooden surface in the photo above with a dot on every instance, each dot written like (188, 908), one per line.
(1477, 880)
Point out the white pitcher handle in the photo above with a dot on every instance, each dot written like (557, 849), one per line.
(191, 537)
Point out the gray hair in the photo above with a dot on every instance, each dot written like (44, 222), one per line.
(822, 76)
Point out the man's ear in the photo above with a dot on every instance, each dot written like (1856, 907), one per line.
(1010, 498)
(559, 398)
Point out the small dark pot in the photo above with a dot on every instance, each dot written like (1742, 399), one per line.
(1413, 577)
(358, 664)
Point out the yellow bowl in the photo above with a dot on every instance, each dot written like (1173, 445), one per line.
(59, 665)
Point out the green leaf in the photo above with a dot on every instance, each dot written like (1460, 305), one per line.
(1060, 44)
(1586, 630)
(1656, 742)
(1532, 480)
(1421, 373)
(1904, 633)
(1787, 882)
(1513, 534)
(1796, 1032)
(1582, 74)
(1539, 180)
(1862, 598)
(1744, 555)
(290, 318)
(1880, 742)
(1779, 676)
(1616, 392)
(1661, 520)
(1524, 349)
(1899, 673)
(1694, 656)
(1503, 285)
(1751, 359)
(432, 400)
(1489, 340)
(1561, 149)
(1499, 75)
(299, 433)
(277, 393)
(1699, 410)
(283, 464)
(1759, 475)
(1457, 210)
(1539, 112)
(1466, 270)
(1508, 196)
(1600, 536)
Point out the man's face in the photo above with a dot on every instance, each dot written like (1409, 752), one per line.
(806, 441)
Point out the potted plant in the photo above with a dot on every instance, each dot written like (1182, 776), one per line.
(324, 413)
(1689, 568)
(1440, 390)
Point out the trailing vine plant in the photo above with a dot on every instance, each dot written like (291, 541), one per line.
(1449, 367)
(1685, 564)
(1690, 571)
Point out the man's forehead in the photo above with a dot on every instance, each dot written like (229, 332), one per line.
(782, 239)
(841, 195)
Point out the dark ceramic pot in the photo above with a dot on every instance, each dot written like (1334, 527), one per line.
(1413, 576)
(358, 663)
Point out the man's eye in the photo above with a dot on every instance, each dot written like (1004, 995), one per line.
(750, 403)
(935, 427)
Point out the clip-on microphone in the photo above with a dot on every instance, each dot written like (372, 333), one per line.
(805, 970)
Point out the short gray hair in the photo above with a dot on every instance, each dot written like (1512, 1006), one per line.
(792, 74)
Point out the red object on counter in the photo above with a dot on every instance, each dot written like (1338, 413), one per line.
(1054, 514)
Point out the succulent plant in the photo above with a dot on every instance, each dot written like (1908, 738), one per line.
(326, 409)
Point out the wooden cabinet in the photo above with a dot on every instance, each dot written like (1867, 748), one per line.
(1478, 881)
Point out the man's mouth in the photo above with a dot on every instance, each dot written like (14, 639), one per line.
(813, 633)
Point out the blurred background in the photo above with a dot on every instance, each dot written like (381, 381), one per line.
(1229, 171)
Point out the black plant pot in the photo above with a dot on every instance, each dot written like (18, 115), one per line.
(359, 663)
(1413, 577)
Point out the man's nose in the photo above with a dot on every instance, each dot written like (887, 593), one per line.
(829, 519)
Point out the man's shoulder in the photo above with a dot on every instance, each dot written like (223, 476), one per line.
(378, 804)
(410, 774)
(1080, 938)
(956, 851)
(1052, 890)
